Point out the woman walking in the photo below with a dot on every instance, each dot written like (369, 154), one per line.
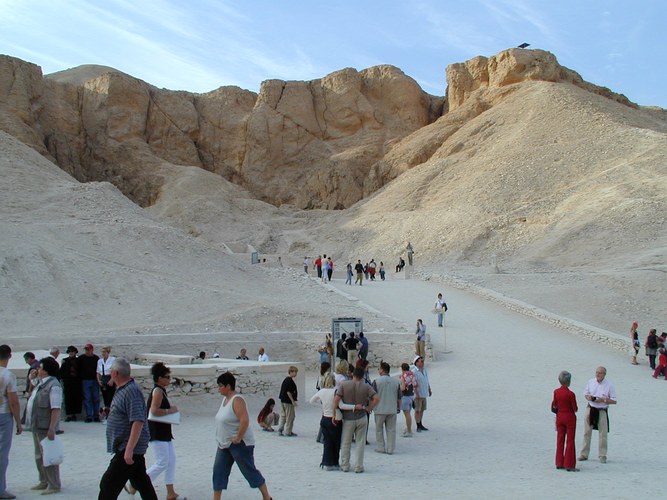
(236, 442)
(161, 436)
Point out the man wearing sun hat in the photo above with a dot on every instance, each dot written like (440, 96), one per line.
(91, 389)
(423, 392)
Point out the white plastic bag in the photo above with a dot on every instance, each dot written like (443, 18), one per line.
(53, 452)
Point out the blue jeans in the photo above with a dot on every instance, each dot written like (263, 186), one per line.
(91, 398)
(244, 457)
(441, 318)
(6, 433)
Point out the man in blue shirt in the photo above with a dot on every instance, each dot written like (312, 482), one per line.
(127, 438)
(423, 392)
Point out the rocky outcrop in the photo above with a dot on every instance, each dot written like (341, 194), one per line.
(310, 144)
(513, 66)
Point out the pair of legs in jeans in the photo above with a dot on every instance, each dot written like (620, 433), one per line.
(91, 398)
(244, 457)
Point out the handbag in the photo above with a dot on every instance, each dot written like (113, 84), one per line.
(171, 418)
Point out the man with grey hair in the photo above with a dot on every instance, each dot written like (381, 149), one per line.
(54, 352)
(600, 393)
(127, 438)
(388, 389)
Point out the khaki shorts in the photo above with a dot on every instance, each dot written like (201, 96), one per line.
(420, 404)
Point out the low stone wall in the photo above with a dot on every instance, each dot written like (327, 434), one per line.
(252, 377)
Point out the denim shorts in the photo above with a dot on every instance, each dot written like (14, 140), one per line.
(244, 457)
(406, 402)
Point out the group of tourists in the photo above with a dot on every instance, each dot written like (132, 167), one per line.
(654, 346)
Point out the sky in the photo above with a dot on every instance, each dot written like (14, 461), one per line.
(200, 45)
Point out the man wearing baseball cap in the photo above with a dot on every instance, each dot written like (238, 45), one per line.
(91, 389)
(423, 392)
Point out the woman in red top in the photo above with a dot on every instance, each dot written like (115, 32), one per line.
(564, 405)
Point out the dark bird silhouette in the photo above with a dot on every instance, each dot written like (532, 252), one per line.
(524, 45)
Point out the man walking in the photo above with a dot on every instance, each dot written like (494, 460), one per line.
(355, 398)
(9, 410)
(359, 268)
(600, 393)
(127, 438)
(423, 392)
(388, 390)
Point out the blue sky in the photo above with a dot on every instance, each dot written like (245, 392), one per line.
(200, 45)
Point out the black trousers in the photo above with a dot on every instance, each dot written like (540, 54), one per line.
(118, 473)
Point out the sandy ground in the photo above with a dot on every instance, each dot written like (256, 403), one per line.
(491, 432)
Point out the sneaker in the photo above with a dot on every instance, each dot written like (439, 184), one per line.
(603, 460)
(50, 491)
(419, 429)
(39, 486)
(582, 458)
(423, 428)
(292, 434)
(359, 470)
(345, 468)
(380, 451)
(7, 494)
(407, 434)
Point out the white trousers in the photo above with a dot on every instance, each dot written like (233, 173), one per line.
(165, 461)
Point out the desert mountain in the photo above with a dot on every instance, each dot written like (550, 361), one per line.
(524, 179)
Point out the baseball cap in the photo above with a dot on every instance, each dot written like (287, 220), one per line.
(417, 358)
(89, 347)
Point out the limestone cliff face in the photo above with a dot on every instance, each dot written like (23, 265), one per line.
(325, 143)
(310, 144)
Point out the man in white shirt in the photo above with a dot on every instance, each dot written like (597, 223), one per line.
(600, 393)
(440, 309)
(262, 355)
(9, 409)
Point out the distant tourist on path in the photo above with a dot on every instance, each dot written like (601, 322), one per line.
(341, 353)
(382, 271)
(400, 265)
(288, 399)
(331, 426)
(235, 439)
(440, 309)
(243, 355)
(349, 274)
(352, 348)
(355, 398)
(372, 266)
(388, 391)
(661, 369)
(71, 380)
(600, 393)
(10, 412)
(359, 268)
(634, 338)
(306, 264)
(564, 405)
(330, 268)
(127, 438)
(420, 343)
(363, 349)
(409, 386)
(423, 392)
(318, 266)
(200, 358)
(651, 346)
(263, 357)
(161, 435)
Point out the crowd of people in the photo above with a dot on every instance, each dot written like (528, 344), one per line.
(655, 349)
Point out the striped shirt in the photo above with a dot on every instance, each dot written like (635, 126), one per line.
(128, 406)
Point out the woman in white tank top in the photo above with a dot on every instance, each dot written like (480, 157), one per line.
(236, 442)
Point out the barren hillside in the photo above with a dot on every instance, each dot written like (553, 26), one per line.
(532, 182)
